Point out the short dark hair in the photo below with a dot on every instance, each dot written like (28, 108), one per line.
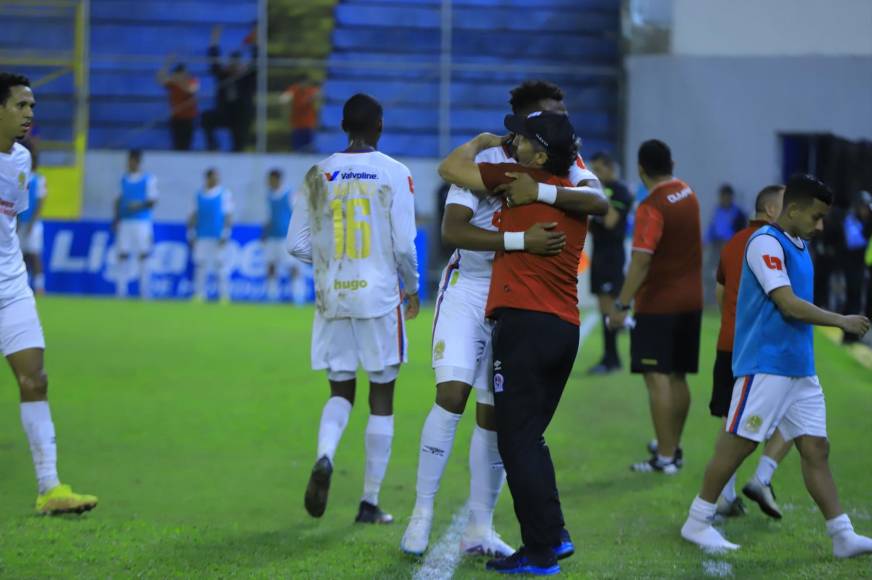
(135, 154)
(559, 162)
(9, 80)
(655, 158)
(361, 114)
(529, 93)
(211, 172)
(765, 196)
(602, 156)
(275, 172)
(727, 189)
(803, 189)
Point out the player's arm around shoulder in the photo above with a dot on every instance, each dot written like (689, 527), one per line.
(460, 167)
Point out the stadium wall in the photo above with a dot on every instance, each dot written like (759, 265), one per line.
(180, 175)
(722, 116)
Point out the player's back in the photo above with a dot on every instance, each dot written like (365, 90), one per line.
(14, 176)
(349, 198)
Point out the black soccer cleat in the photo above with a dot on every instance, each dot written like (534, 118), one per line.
(524, 562)
(679, 452)
(653, 465)
(566, 548)
(319, 487)
(372, 514)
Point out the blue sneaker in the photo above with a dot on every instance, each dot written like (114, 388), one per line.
(566, 548)
(521, 563)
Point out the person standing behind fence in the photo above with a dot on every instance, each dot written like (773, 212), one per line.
(133, 225)
(182, 88)
(235, 87)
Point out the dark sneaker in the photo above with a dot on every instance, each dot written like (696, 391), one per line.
(764, 495)
(679, 452)
(566, 548)
(372, 514)
(730, 509)
(319, 487)
(653, 465)
(521, 562)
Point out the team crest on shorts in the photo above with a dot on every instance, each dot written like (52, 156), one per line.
(753, 424)
(498, 383)
(439, 350)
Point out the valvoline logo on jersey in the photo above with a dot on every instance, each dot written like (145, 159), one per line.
(350, 175)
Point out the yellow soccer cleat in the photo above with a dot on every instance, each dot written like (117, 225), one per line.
(61, 499)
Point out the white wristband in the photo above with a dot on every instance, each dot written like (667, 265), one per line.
(513, 241)
(547, 193)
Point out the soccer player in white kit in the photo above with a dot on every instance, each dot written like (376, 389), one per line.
(209, 229)
(461, 345)
(355, 222)
(21, 338)
(133, 224)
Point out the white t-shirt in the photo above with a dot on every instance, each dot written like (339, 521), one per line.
(477, 265)
(14, 199)
(765, 258)
(355, 222)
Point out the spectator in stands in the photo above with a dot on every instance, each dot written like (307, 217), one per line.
(235, 88)
(866, 214)
(727, 219)
(853, 258)
(303, 97)
(182, 88)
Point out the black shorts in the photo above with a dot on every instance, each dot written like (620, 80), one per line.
(607, 273)
(666, 343)
(722, 384)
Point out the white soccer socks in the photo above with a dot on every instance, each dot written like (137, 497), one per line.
(334, 419)
(846, 542)
(486, 477)
(729, 491)
(765, 469)
(36, 419)
(437, 438)
(379, 436)
(698, 528)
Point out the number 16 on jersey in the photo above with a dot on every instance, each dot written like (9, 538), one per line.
(351, 228)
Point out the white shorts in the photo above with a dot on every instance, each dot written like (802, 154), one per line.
(19, 326)
(135, 237)
(763, 402)
(275, 251)
(211, 254)
(32, 243)
(341, 345)
(462, 337)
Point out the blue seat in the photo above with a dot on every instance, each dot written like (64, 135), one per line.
(239, 11)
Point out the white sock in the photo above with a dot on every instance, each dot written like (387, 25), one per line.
(272, 288)
(121, 283)
(224, 285)
(334, 418)
(144, 279)
(298, 289)
(36, 419)
(201, 276)
(379, 436)
(765, 469)
(39, 282)
(437, 438)
(702, 512)
(486, 476)
(839, 524)
(664, 459)
(729, 492)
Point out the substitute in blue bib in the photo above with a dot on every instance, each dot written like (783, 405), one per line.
(209, 229)
(30, 230)
(773, 360)
(133, 226)
(280, 264)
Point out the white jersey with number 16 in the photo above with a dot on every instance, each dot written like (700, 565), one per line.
(355, 222)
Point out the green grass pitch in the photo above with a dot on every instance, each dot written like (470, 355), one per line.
(196, 426)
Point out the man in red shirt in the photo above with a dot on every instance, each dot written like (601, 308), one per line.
(182, 88)
(665, 279)
(534, 302)
(759, 488)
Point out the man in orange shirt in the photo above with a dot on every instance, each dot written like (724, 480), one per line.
(759, 488)
(303, 99)
(665, 279)
(182, 88)
(534, 302)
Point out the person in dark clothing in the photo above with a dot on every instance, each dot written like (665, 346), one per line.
(235, 88)
(609, 256)
(854, 257)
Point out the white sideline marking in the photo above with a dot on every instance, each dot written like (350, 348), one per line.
(442, 560)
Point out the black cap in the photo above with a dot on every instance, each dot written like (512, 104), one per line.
(553, 131)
